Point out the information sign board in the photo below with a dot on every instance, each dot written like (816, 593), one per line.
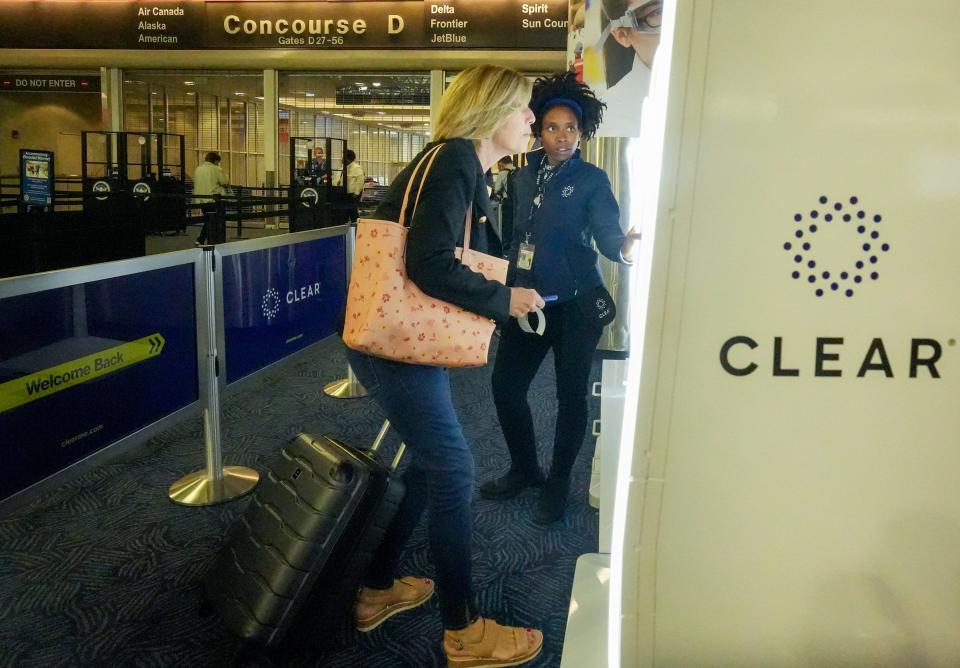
(36, 178)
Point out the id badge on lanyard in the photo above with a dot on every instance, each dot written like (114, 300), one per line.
(525, 257)
(527, 249)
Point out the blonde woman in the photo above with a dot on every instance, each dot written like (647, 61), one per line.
(483, 116)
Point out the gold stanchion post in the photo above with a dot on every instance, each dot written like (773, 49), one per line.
(349, 387)
(216, 483)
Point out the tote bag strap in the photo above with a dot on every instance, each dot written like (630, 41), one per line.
(429, 157)
(466, 233)
(469, 218)
(427, 160)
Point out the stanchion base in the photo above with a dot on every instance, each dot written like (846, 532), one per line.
(196, 489)
(344, 389)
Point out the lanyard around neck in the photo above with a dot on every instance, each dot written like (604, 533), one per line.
(544, 175)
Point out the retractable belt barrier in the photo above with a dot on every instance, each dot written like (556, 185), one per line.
(103, 357)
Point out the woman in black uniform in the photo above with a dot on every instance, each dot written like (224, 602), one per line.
(562, 205)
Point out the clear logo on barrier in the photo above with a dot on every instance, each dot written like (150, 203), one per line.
(142, 189)
(836, 247)
(270, 304)
(101, 188)
(309, 197)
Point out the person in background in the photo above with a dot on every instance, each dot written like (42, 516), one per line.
(369, 188)
(319, 166)
(501, 198)
(577, 65)
(208, 179)
(354, 178)
(483, 115)
(562, 205)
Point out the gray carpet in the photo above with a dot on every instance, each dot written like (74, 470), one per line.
(105, 571)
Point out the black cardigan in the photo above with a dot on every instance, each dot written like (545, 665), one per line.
(455, 182)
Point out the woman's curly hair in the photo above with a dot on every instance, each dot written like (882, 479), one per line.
(566, 86)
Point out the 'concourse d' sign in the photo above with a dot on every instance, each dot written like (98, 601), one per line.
(280, 24)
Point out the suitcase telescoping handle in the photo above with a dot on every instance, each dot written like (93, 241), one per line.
(379, 439)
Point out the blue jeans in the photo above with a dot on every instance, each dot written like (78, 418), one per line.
(439, 477)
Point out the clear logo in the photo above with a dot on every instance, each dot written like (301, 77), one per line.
(816, 234)
(270, 304)
(142, 189)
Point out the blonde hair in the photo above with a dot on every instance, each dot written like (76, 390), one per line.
(479, 100)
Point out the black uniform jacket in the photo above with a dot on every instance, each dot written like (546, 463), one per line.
(455, 182)
(578, 208)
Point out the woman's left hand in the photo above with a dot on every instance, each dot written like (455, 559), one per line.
(630, 243)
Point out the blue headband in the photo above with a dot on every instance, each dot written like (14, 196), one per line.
(565, 101)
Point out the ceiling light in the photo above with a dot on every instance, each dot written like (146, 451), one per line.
(363, 88)
(381, 112)
(187, 83)
(239, 93)
(259, 97)
(376, 84)
(357, 83)
(189, 92)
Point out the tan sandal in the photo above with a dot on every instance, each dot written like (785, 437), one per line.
(375, 606)
(496, 646)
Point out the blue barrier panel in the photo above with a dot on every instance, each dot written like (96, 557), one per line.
(279, 300)
(85, 365)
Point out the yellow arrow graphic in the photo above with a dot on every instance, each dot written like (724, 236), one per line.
(55, 379)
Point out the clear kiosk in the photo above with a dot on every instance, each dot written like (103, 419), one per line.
(315, 202)
(785, 494)
(153, 173)
(102, 176)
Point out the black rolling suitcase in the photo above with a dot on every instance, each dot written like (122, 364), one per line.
(292, 567)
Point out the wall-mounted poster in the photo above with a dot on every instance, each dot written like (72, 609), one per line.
(36, 178)
(611, 45)
(576, 18)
